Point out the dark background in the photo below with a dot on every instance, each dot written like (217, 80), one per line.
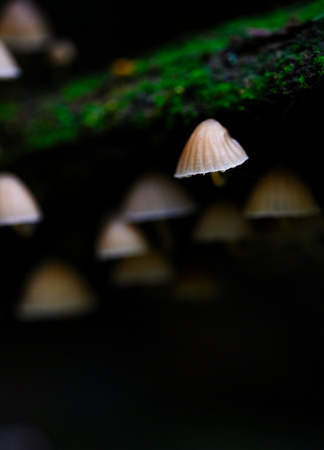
(143, 372)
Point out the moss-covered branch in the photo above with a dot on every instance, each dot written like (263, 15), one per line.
(234, 67)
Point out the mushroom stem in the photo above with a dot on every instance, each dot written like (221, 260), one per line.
(217, 178)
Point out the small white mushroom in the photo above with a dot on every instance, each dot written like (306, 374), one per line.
(18, 205)
(280, 193)
(54, 290)
(209, 149)
(24, 27)
(8, 65)
(120, 239)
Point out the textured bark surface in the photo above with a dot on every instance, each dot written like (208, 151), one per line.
(240, 68)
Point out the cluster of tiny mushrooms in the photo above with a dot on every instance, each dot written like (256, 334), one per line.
(56, 290)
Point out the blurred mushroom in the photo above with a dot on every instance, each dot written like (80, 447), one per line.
(120, 239)
(222, 221)
(210, 149)
(155, 197)
(24, 27)
(280, 193)
(54, 290)
(8, 65)
(18, 206)
(61, 52)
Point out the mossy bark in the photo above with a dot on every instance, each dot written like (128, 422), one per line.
(237, 68)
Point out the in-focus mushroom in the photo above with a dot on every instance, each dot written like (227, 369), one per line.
(209, 149)
(54, 290)
(18, 205)
(120, 239)
(280, 193)
(8, 66)
(24, 27)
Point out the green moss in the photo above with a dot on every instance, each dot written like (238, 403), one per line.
(8, 112)
(93, 115)
(83, 86)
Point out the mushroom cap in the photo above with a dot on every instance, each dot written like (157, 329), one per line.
(145, 270)
(8, 66)
(54, 290)
(119, 239)
(61, 52)
(17, 204)
(221, 221)
(210, 148)
(280, 193)
(155, 196)
(23, 26)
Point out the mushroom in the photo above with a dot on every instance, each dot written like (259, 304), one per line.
(155, 197)
(280, 193)
(120, 239)
(18, 206)
(54, 290)
(209, 149)
(8, 65)
(61, 52)
(24, 27)
(221, 221)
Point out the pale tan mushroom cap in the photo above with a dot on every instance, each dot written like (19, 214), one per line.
(23, 26)
(119, 239)
(221, 221)
(17, 204)
(280, 194)
(8, 65)
(210, 148)
(155, 196)
(54, 290)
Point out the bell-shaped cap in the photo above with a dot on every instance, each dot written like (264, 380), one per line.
(222, 221)
(8, 65)
(54, 290)
(280, 193)
(23, 26)
(156, 196)
(17, 203)
(120, 239)
(210, 148)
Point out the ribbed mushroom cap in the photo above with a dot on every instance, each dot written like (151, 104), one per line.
(17, 204)
(145, 270)
(280, 193)
(8, 66)
(221, 221)
(119, 239)
(23, 26)
(54, 290)
(155, 196)
(210, 148)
